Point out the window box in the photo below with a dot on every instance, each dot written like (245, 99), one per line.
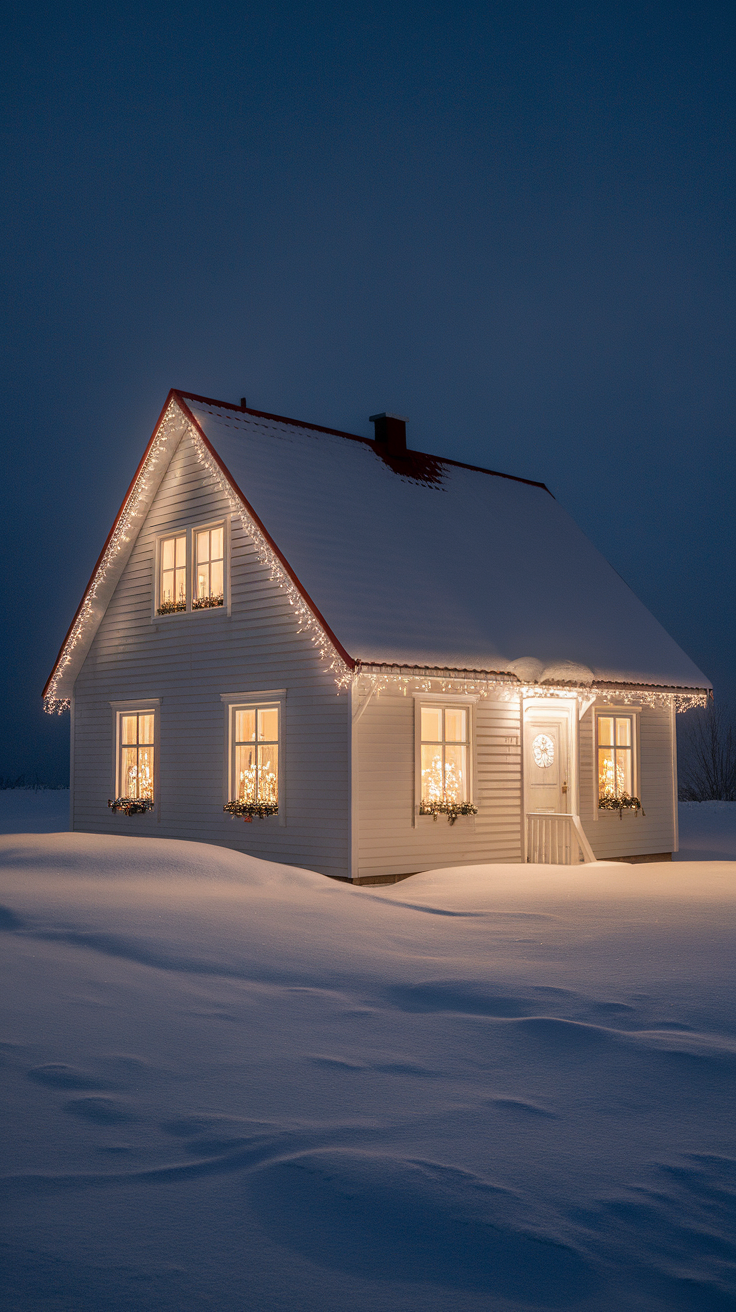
(451, 809)
(131, 805)
(622, 802)
(247, 810)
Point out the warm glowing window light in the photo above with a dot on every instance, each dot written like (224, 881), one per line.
(173, 582)
(615, 756)
(210, 567)
(136, 756)
(256, 753)
(445, 746)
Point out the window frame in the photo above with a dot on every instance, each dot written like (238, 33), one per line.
(244, 701)
(191, 531)
(137, 706)
(448, 701)
(632, 713)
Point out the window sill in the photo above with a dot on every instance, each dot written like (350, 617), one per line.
(188, 614)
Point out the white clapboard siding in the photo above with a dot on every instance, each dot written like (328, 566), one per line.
(632, 834)
(390, 839)
(188, 661)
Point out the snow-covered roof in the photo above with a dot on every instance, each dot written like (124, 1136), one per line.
(427, 562)
(412, 562)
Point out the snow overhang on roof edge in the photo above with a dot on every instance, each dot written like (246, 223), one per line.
(175, 419)
(507, 685)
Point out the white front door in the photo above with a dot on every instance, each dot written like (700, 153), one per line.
(546, 763)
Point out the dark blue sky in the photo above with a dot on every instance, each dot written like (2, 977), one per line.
(512, 222)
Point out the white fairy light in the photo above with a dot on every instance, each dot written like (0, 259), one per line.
(54, 705)
(306, 620)
(505, 686)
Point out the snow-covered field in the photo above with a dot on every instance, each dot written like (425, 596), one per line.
(240, 1086)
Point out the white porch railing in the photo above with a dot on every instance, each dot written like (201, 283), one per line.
(556, 838)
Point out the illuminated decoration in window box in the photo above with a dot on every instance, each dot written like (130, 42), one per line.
(622, 802)
(451, 809)
(170, 607)
(131, 805)
(208, 603)
(246, 810)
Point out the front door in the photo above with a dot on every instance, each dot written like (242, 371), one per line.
(546, 764)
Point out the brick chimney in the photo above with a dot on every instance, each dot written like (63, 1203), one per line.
(390, 434)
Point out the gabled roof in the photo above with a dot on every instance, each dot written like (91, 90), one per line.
(427, 562)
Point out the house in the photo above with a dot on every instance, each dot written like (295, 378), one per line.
(335, 652)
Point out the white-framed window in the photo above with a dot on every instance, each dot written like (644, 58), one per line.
(191, 569)
(444, 753)
(172, 591)
(209, 570)
(616, 755)
(136, 747)
(255, 748)
(255, 740)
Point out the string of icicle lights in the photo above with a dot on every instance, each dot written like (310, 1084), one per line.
(306, 621)
(506, 687)
(170, 423)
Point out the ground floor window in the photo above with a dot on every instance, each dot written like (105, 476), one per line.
(256, 754)
(615, 756)
(136, 755)
(444, 781)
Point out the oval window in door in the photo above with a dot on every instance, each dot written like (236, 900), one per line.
(543, 750)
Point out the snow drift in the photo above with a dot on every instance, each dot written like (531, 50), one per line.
(240, 1085)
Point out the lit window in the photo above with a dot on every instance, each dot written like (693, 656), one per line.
(173, 581)
(203, 551)
(615, 757)
(445, 756)
(136, 755)
(210, 568)
(256, 755)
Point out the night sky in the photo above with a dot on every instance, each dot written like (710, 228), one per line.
(511, 222)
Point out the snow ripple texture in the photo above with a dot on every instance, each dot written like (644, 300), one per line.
(232, 1084)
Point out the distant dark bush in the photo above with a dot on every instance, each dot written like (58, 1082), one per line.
(707, 751)
(27, 781)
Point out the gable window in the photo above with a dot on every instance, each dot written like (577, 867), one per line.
(210, 571)
(173, 581)
(444, 759)
(192, 570)
(615, 758)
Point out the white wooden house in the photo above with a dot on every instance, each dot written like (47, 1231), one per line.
(382, 661)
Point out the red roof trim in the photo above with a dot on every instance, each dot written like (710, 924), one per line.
(354, 437)
(116, 521)
(277, 552)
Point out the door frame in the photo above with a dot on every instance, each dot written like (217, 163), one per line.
(560, 708)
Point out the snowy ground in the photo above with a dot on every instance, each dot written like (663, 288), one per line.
(240, 1086)
(31, 811)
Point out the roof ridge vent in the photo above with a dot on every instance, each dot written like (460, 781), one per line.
(390, 433)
